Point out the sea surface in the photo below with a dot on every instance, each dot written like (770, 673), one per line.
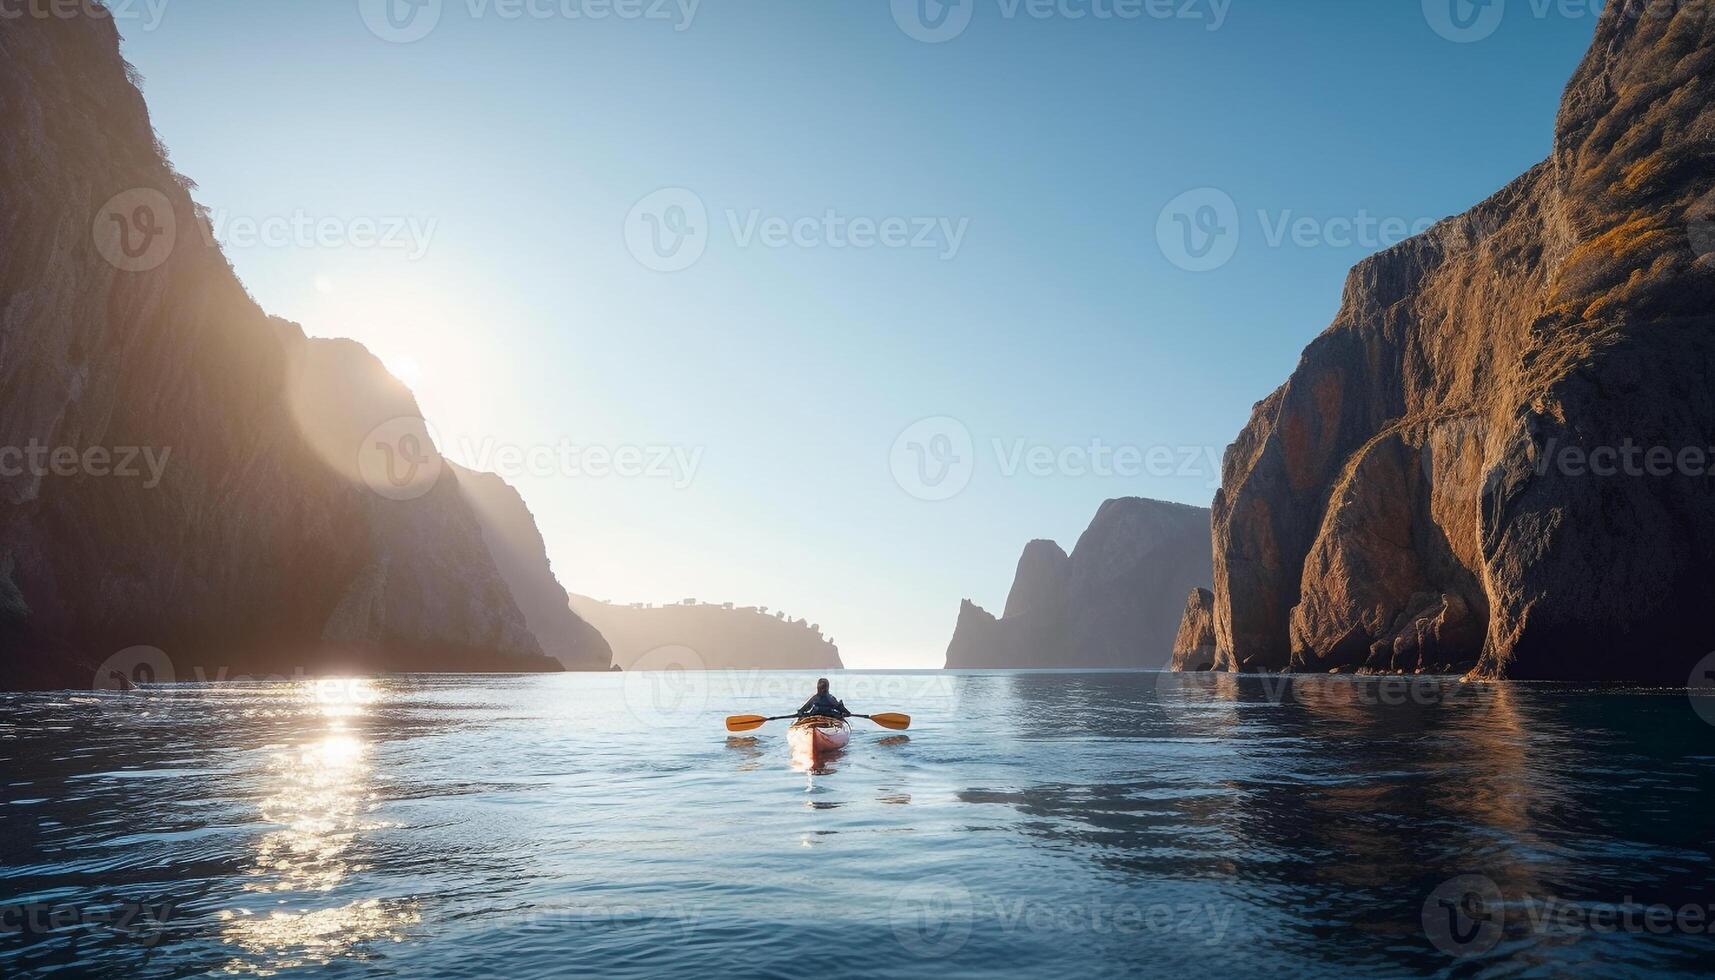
(1028, 825)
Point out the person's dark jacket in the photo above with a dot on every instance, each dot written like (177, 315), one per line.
(824, 705)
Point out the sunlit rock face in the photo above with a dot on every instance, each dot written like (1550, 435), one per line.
(1115, 601)
(1194, 645)
(236, 496)
(1423, 495)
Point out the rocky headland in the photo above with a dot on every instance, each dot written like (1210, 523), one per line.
(1496, 460)
(721, 635)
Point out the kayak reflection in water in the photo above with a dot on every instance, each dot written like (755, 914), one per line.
(823, 705)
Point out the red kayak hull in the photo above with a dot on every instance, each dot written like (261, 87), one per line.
(813, 738)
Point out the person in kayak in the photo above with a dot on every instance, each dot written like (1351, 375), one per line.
(823, 705)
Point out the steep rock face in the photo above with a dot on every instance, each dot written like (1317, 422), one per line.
(1040, 582)
(519, 553)
(979, 639)
(256, 545)
(1194, 646)
(1422, 493)
(720, 636)
(428, 575)
(1114, 602)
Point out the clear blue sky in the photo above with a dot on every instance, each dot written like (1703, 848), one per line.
(1055, 142)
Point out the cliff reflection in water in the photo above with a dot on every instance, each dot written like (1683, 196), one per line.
(1349, 799)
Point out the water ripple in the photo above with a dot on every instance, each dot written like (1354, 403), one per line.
(1099, 824)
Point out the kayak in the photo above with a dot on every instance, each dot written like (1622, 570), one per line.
(812, 738)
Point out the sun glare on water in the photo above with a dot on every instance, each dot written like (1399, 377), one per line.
(320, 800)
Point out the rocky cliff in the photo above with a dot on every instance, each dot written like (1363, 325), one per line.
(177, 469)
(521, 556)
(1497, 457)
(1039, 584)
(1194, 646)
(720, 636)
(1115, 601)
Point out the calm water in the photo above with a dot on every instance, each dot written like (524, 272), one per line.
(1028, 824)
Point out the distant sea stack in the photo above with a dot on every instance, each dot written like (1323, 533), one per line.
(213, 484)
(1115, 601)
(1194, 647)
(723, 636)
(1497, 457)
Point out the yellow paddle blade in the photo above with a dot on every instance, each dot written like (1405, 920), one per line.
(744, 723)
(897, 722)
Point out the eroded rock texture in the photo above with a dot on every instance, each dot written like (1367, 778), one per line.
(1194, 646)
(1459, 473)
(1114, 602)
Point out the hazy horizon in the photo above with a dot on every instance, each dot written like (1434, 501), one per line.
(482, 207)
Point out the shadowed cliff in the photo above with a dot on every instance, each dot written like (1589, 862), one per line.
(274, 537)
(521, 557)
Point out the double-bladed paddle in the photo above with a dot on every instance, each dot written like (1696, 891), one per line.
(745, 723)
